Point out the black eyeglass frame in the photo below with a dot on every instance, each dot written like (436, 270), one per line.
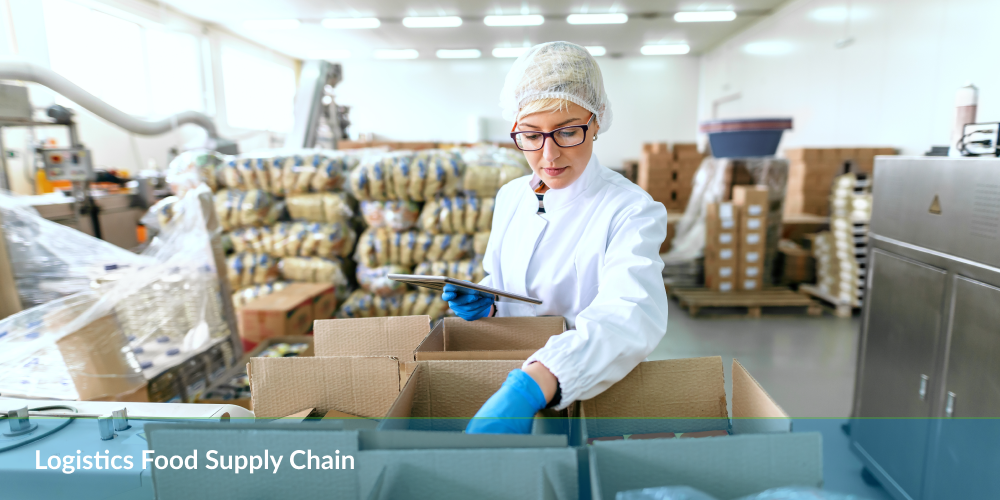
(549, 135)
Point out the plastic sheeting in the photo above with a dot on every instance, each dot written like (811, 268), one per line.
(51, 261)
(103, 342)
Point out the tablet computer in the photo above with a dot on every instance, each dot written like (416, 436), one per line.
(438, 283)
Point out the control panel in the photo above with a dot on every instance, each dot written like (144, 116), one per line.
(69, 164)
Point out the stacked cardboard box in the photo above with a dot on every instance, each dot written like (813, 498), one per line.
(722, 246)
(797, 264)
(811, 173)
(753, 238)
(668, 174)
(290, 311)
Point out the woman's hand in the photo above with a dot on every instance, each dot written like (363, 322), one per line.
(468, 304)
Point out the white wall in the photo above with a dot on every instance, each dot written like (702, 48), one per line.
(895, 85)
(23, 37)
(653, 99)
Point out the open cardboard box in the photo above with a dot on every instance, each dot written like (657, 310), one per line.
(489, 338)
(685, 396)
(366, 367)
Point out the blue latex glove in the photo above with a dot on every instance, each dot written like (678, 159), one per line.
(511, 409)
(468, 304)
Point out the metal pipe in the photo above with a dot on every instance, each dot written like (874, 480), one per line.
(25, 71)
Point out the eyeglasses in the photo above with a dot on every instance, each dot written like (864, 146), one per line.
(565, 137)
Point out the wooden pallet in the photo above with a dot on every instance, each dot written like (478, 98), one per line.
(696, 299)
(839, 308)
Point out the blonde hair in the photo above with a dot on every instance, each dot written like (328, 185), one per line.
(547, 104)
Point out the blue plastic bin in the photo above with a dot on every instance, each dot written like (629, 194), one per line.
(745, 138)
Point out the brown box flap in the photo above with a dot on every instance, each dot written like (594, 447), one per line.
(750, 400)
(492, 334)
(396, 337)
(673, 388)
(363, 386)
(489, 338)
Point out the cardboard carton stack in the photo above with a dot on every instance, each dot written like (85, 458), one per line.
(668, 174)
(811, 173)
(754, 255)
(722, 246)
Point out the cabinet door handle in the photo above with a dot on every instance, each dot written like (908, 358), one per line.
(949, 407)
(923, 387)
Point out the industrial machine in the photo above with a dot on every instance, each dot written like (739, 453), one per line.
(31, 432)
(319, 122)
(111, 216)
(928, 367)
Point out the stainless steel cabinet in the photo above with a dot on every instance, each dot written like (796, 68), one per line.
(930, 333)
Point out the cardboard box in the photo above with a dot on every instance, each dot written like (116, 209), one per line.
(753, 200)
(258, 349)
(324, 301)
(722, 225)
(488, 338)
(682, 395)
(366, 367)
(751, 284)
(444, 395)
(362, 386)
(288, 312)
(686, 151)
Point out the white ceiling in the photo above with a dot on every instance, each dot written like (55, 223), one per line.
(650, 21)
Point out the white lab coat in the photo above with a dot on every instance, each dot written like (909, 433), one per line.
(593, 258)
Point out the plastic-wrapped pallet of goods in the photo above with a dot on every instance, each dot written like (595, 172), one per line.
(152, 331)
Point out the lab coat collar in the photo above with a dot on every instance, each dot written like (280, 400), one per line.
(556, 199)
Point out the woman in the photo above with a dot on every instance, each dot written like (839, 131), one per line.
(577, 235)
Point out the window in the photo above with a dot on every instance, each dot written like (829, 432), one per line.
(142, 70)
(260, 94)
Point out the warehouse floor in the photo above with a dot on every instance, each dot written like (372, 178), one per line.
(805, 363)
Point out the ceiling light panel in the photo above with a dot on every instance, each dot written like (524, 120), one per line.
(597, 18)
(432, 22)
(351, 23)
(672, 49)
(526, 20)
(332, 54)
(396, 54)
(459, 54)
(271, 24)
(509, 51)
(708, 16)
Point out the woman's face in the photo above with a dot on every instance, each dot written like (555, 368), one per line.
(559, 167)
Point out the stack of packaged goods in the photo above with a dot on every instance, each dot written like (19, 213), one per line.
(427, 213)
(841, 253)
(260, 190)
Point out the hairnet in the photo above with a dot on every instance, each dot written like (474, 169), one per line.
(556, 70)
